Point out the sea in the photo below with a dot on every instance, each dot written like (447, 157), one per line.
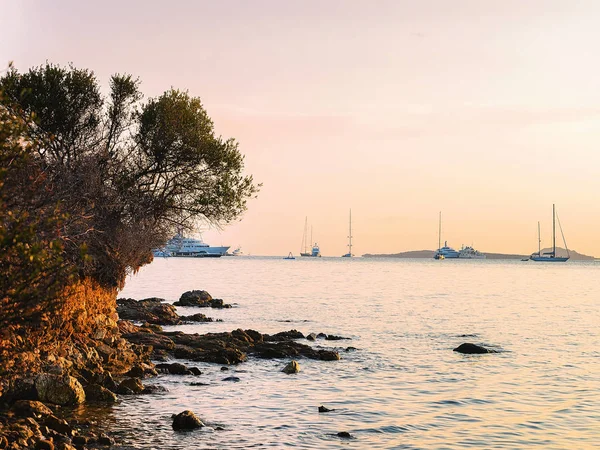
(403, 386)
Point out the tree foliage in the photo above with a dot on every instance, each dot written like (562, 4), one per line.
(103, 180)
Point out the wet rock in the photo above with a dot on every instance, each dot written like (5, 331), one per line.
(350, 349)
(133, 384)
(333, 337)
(198, 383)
(196, 318)
(154, 389)
(60, 390)
(178, 369)
(224, 369)
(195, 371)
(291, 367)
(151, 310)
(61, 426)
(105, 440)
(344, 435)
(284, 336)
(97, 393)
(31, 408)
(472, 349)
(311, 337)
(232, 378)
(136, 372)
(321, 336)
(20, 389)
(186, 420)
(328, 355)
(323, 409)
(80, 441)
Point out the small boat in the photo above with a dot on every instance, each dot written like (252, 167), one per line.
(349, 254)
(290, 256)
(550, 256)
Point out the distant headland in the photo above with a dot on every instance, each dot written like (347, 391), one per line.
(575, 256)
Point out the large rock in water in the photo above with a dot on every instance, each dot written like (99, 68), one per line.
(97, 393)
(60, 390)
(472, 349)
(292, 367)
(151, 310)
(186, 420)
(200, 299)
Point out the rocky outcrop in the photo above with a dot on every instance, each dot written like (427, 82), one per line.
(151, 310)
(323, 409)
(472, 349)
(229, 347)
(97, 393)
(186, 420)
(59, 390)
(200, 299)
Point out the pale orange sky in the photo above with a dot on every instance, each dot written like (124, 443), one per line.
(486, 110)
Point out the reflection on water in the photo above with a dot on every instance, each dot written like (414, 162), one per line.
(403, 387)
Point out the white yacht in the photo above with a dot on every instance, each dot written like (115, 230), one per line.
(190, 247)
(446, 252)
(470, 253)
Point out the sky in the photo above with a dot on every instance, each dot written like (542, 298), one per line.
(488, 111)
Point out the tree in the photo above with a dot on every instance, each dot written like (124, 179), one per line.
(124, 174)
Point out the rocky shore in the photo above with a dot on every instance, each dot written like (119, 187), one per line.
(114, 360)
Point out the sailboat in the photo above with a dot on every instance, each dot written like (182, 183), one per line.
(315, 251)
(551, 256)
(438, 254)
(349, 254)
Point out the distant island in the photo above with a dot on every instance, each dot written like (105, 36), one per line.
(575, 256)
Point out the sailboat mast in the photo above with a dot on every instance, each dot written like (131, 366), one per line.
(553, 231)
(539, 241)
(440, 233)
(311, 241)
(305, 235)
(350, 235)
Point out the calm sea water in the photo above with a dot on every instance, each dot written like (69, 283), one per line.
(404, 387)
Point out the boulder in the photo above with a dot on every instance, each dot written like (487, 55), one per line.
(97, 393)
(200, 299)
(199, 317)
(311, 337)
(472, 349)
(151, 310)
(323, 409)
(344, 434)
(43, 445)
(333, 337)
(61, 426)
(291, 367)
(154, 389)
(232, 378)
(31, 408)
(133, 384)
(60, 390)
(186, 420)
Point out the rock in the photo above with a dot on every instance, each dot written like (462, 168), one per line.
(219, 428)
(80, 441)
(20, 389)
(321, 336)
(196, 318)
(328, 355)
(194, 298)
(291, 367)
(154, 389)
(31, 408)
(198, 383)
(224, 369)
(284, 336)
(151, 310)
(350, 349)
(322, 409)
(186, 420)
(157, 341)
(105, 440)
(344, 434)
(178, 369)
(195, 371)
(333, 337)
(136, 372)
(97, 393)
(43, 445)
(59, 425)
(472, 349)
(311, 337)
(60, 390)
(232, 378)
(133, 384)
